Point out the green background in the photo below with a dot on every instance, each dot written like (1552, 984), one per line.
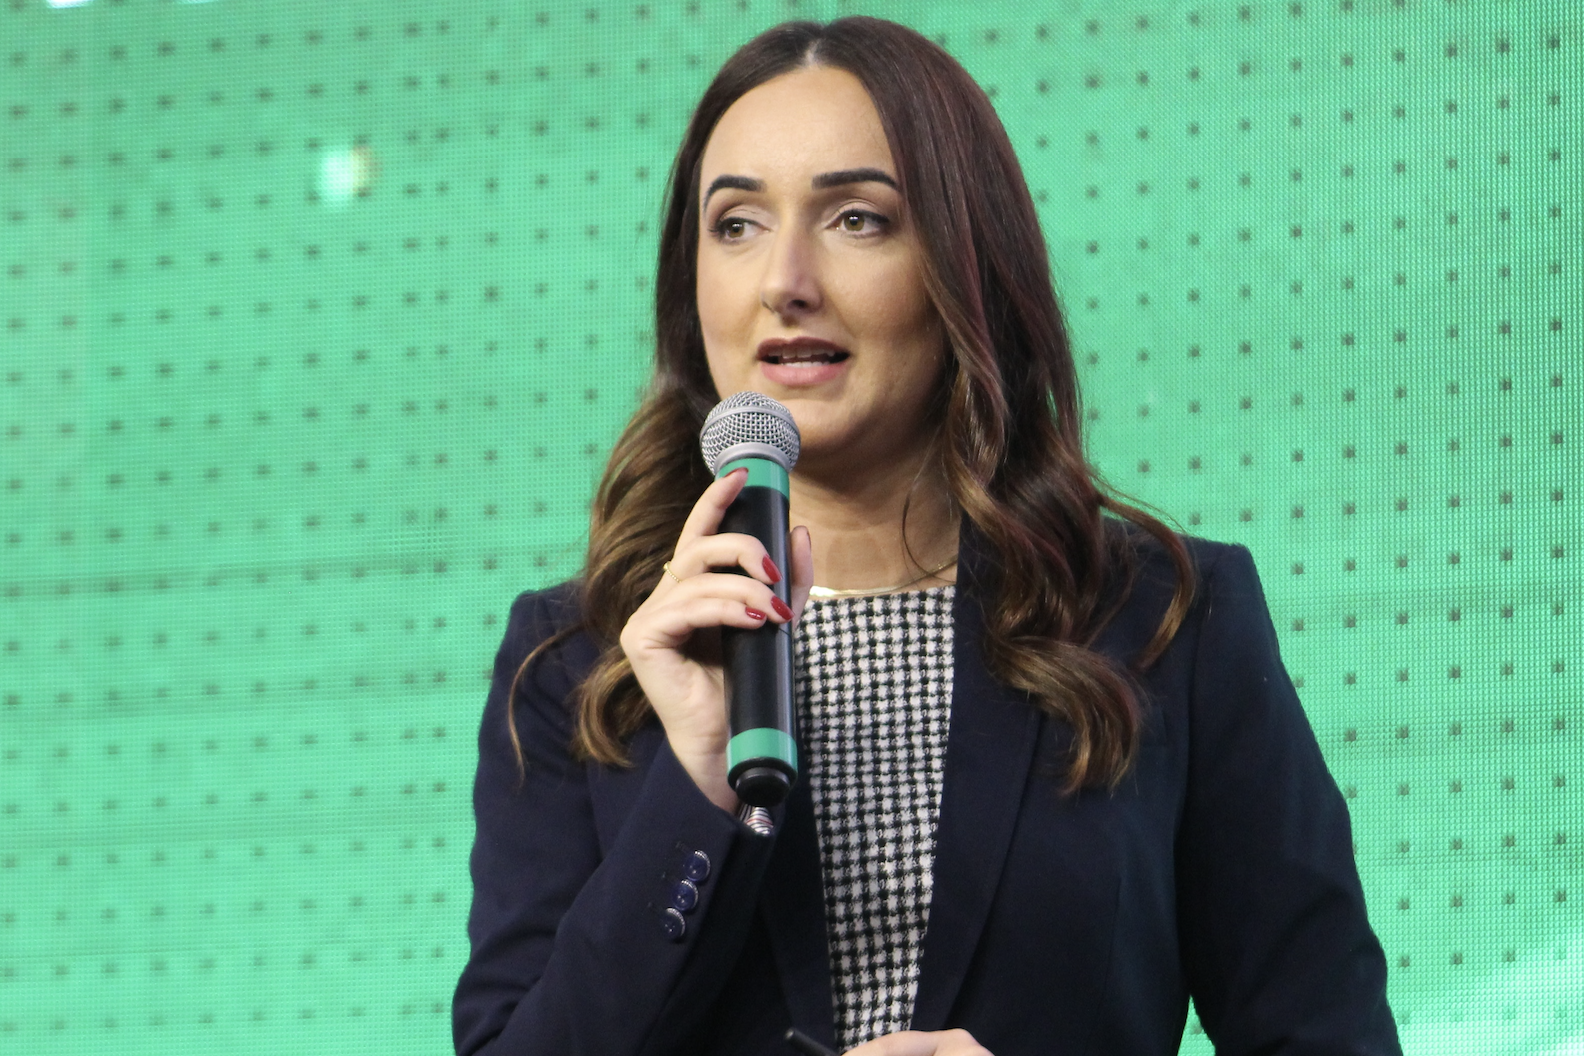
(317, 321)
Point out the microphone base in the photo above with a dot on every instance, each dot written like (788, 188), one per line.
(761, 786)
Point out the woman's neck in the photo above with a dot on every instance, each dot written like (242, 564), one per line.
(855, 522)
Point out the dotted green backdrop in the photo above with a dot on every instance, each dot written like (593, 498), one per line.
(318, 319)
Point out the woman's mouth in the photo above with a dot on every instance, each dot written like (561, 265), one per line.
(801, 351)
(795, 357)
(801, 361)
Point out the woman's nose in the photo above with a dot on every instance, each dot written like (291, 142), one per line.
(790, 285)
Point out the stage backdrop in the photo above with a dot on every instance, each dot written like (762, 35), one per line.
(318, 320)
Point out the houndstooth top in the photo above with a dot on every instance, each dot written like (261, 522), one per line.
(874, 701)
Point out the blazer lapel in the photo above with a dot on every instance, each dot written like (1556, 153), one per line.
(792, 903)
(989, 747)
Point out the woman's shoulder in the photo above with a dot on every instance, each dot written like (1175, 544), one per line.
(1225, 590)
(547, 610)
(549, 617)
(1150, 563)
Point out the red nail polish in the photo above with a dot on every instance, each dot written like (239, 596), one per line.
(781, 608)
(755, 614)
(770, 570)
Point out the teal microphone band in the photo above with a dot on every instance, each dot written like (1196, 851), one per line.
(762, 473)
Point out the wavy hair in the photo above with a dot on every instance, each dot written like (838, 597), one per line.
(1011, 443)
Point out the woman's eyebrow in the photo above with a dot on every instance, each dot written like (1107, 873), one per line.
(824, 180)
(845, 176)
(736, 183)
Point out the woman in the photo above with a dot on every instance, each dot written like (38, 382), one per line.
(1056, 778)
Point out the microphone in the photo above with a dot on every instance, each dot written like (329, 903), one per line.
(751, 431)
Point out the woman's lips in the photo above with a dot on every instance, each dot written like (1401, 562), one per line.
(801, 361)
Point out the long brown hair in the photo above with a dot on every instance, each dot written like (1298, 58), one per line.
(1011, 445)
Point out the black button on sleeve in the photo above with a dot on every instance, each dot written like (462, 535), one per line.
(697, 867)
(685, 896)
(673, 924)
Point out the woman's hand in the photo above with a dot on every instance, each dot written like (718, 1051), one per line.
(672, 642)
(922, 1043)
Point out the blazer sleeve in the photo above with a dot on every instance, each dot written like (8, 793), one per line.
(570, 947)
(1278, 952)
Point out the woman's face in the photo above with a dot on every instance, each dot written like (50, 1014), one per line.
(810, 274)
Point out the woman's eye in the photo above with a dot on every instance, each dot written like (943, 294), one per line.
(731, 228)
(861, 222)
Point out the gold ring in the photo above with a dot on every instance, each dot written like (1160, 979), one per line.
(666, 568)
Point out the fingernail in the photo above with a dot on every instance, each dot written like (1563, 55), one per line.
(755, 614)
(781, 608)
(770, 570)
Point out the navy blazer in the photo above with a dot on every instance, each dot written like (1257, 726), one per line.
(1078, 925)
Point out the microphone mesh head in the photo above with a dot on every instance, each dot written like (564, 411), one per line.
(749, 424)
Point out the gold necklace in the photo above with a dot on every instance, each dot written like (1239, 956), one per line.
(824, 593)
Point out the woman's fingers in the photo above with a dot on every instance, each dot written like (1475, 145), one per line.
(699, 549)
(674, 624)
(730, 550)
(712, 599)
(711, 507)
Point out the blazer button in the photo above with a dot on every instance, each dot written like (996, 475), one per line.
(674, 925)
(684, 896)
(697, 867)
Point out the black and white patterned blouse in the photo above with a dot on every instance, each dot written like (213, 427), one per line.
(874, 701)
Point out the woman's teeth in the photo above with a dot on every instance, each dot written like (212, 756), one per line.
(806, 357)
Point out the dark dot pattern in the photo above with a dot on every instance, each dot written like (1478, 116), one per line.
(317, 324)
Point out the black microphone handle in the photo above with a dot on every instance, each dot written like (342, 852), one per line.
(762, 762)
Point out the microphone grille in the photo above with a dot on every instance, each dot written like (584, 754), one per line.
(755, 424)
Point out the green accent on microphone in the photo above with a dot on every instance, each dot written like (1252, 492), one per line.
(765, 742)
(762, 473)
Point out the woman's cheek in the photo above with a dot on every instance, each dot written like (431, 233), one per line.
(903, 308)
(724, 321)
